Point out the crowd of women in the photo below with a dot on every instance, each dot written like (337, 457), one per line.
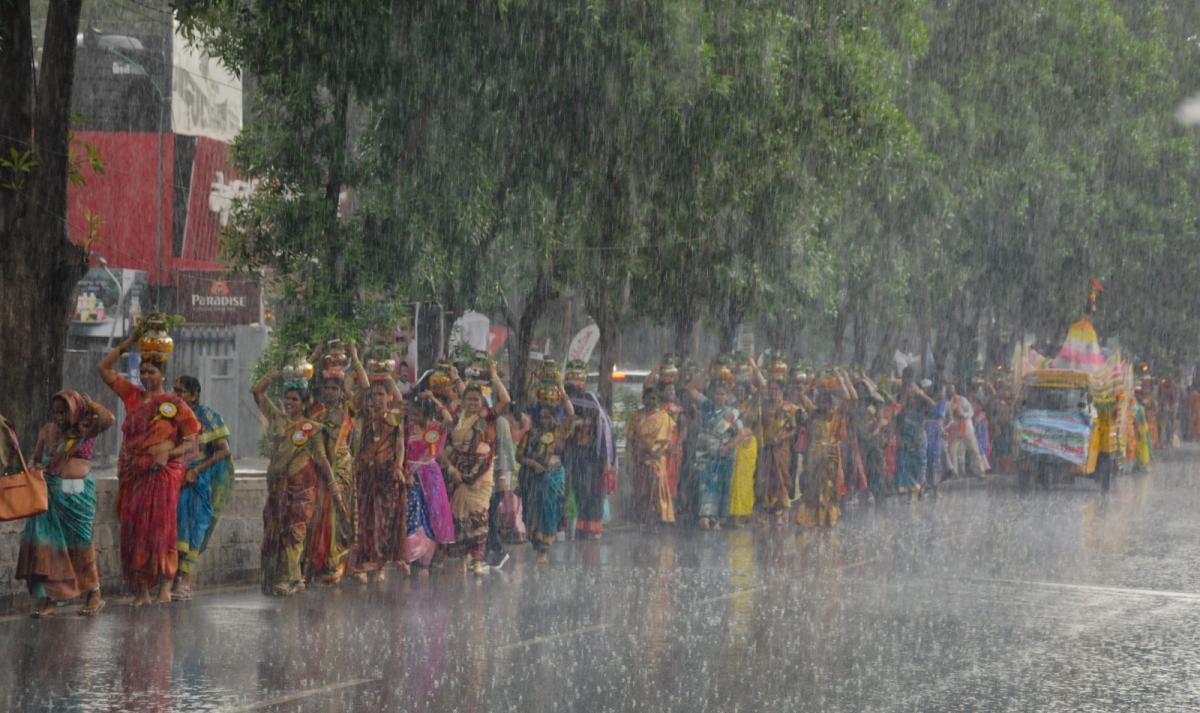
(174, 476)
(744, 442)
(364, 473)
(368, 472)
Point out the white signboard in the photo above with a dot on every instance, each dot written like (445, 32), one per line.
(584, 344)
(206, 99)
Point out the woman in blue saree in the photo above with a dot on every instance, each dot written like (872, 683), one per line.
(720, 429)
(206, 489)
(543, 479)
(913, 435)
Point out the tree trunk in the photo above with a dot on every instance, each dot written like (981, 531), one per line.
(684, 330)
(882, 364)
(16, 86)
(532, 308)
(333, 192)
(941, 350)
(727, 332)
(606, 351)
(860, 327)
(684, 339)
(518, 359)
(839, 332)
(427, 335)
(40, 265)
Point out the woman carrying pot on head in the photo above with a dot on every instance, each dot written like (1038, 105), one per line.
(383, 482)
(543, 479)
(467, 463)
(160, 431)
(719, 428)
(298, 462)
(429, 522)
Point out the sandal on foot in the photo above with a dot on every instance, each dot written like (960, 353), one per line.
(181, 594)
(87, 610)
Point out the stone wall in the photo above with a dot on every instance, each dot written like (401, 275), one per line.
(232, 556)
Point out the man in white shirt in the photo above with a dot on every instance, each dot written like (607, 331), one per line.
(964, 448)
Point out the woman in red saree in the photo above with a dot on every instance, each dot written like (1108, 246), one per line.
(160, 430)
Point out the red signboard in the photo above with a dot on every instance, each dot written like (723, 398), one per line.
(199, 185)
(123, 199)
(214, 186)
(207, 297)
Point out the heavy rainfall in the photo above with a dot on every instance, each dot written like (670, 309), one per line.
(549, 355)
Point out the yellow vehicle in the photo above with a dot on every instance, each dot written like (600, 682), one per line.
(1069, 424)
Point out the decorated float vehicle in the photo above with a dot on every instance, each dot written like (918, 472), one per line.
(1075, 411)
(1073, 423)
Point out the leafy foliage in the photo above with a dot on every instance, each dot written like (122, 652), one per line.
(942, 171)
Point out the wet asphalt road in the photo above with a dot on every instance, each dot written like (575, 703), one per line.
(979, 600)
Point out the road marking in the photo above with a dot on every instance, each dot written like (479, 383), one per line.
(298, 695)
(1130, 591)
(861, 563)
(552, 637)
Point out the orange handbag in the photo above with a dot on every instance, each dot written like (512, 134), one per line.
(22, 494)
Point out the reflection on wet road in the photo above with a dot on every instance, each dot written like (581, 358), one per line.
(979, 600)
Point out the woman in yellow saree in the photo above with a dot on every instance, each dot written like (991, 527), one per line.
(648, 442)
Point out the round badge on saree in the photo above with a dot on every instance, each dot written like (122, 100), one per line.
(299, 438)
(547, 438)
(432, 436)
(168, 410)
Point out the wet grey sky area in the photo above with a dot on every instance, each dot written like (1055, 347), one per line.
(980, 600)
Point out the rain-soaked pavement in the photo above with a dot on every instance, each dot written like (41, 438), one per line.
(979, 600)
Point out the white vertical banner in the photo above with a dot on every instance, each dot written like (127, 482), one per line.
(206, 98)
(584, 343)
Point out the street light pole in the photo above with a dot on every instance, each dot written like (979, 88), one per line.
(120, 315)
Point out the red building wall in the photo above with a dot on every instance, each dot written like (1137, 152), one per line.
(124, 199)
(196, 197)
